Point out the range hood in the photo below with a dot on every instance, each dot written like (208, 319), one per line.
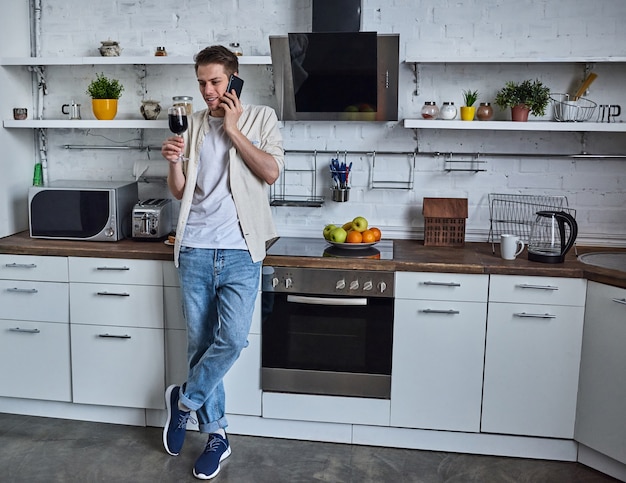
(332, 75)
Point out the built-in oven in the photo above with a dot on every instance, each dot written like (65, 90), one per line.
(327, 331)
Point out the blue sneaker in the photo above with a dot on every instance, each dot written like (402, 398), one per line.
(208, 463)
(176, 424)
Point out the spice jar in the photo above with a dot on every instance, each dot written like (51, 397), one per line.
(448, 111)
(235, 48)
(186, 101)
(160, 52)
(430, 110)
(484, 111)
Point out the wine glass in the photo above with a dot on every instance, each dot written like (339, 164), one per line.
(177, 118)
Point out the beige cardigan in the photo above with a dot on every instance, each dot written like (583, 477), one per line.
(260, 125)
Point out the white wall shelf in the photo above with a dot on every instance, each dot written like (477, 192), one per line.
(86, 124)
(121, 60)
(516, 126)
(520, 60)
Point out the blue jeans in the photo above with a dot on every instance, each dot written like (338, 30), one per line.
(218, 290)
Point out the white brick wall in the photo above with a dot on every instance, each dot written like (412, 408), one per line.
(428, 28)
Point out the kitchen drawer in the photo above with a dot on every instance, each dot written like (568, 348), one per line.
(118, 366)
(538, 290)
(116, 305)
(35, 357)
(441, 286)
(27, 300)
(115, 270)
(27, 267)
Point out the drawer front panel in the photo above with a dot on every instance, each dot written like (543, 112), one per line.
(27, 267)
(116, 305)
(118, 366)
(442, 286)
(36, 360)
(537, 290)
(26, 300)
(115, 270)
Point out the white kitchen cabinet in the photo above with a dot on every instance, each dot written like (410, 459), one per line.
(117, 332)
(438, 351)
(34, 328)
(243, 382)
(600, 419)
(532, 355)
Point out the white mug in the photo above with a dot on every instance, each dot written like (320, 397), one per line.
(510, 246)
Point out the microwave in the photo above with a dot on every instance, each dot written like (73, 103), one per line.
(82, 210)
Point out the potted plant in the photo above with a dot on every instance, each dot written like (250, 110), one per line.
(104, 94)
(524, 98)
(468, 110)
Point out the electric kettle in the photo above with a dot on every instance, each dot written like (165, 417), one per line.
(552, 234)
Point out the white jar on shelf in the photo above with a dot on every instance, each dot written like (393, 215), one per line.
(448, 111)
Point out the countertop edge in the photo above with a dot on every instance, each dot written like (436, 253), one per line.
(409, 256)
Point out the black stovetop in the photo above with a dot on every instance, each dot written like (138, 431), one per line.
(318, 247)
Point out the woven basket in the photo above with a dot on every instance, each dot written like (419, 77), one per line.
(444, 221)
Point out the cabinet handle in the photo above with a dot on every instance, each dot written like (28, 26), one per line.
(113, 268)
(443, 284)
(436, 311)
(536, 316)
(21, 265)
(25, 331)
(114, 294)
(114, 336)
(537, 287)
(22, 290)
(620, 301)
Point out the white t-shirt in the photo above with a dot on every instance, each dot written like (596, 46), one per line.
(213, 220)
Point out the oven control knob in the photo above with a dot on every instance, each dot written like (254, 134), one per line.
(382, 286)
(288, 283)
(368, 285)
(341, 284)
(275, 282)
(354, 285)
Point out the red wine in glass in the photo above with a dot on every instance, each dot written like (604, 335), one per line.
(177, 117)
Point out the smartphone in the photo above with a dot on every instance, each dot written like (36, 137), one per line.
(235, 83)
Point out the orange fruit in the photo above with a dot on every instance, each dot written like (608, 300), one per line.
(377, 233)
(368, 236)
(354, 237)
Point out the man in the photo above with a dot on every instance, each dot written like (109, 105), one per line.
(234, 152)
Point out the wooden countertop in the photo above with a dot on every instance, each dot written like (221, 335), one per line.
(409, 256)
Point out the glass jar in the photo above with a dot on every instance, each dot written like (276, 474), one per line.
(235, 48)
(160, 52)
(186, 101)
(430, 110)
(484, 111)
(448, 111)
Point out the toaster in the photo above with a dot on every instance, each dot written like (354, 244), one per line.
(152, 219)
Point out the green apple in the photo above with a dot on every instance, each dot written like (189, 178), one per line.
(327, 230)
(338, 235)
(359, 224)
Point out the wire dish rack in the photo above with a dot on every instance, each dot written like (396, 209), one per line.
(515, 214)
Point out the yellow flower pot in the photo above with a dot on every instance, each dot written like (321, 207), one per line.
(467, 113)
(104, 109)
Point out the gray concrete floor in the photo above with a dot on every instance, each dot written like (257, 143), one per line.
(34, 449)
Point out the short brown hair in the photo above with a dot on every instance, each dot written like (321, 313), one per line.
(217, 54)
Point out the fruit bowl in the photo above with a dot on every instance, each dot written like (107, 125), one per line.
(351, 246)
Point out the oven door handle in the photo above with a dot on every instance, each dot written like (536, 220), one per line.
(301, 299)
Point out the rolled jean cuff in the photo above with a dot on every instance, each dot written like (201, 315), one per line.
(212, 427)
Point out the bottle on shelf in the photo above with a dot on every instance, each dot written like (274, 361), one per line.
(448, 111)
(484, 111)
(236, 48)
(430, 110)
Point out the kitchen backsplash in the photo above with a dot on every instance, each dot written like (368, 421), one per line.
(595, 187)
